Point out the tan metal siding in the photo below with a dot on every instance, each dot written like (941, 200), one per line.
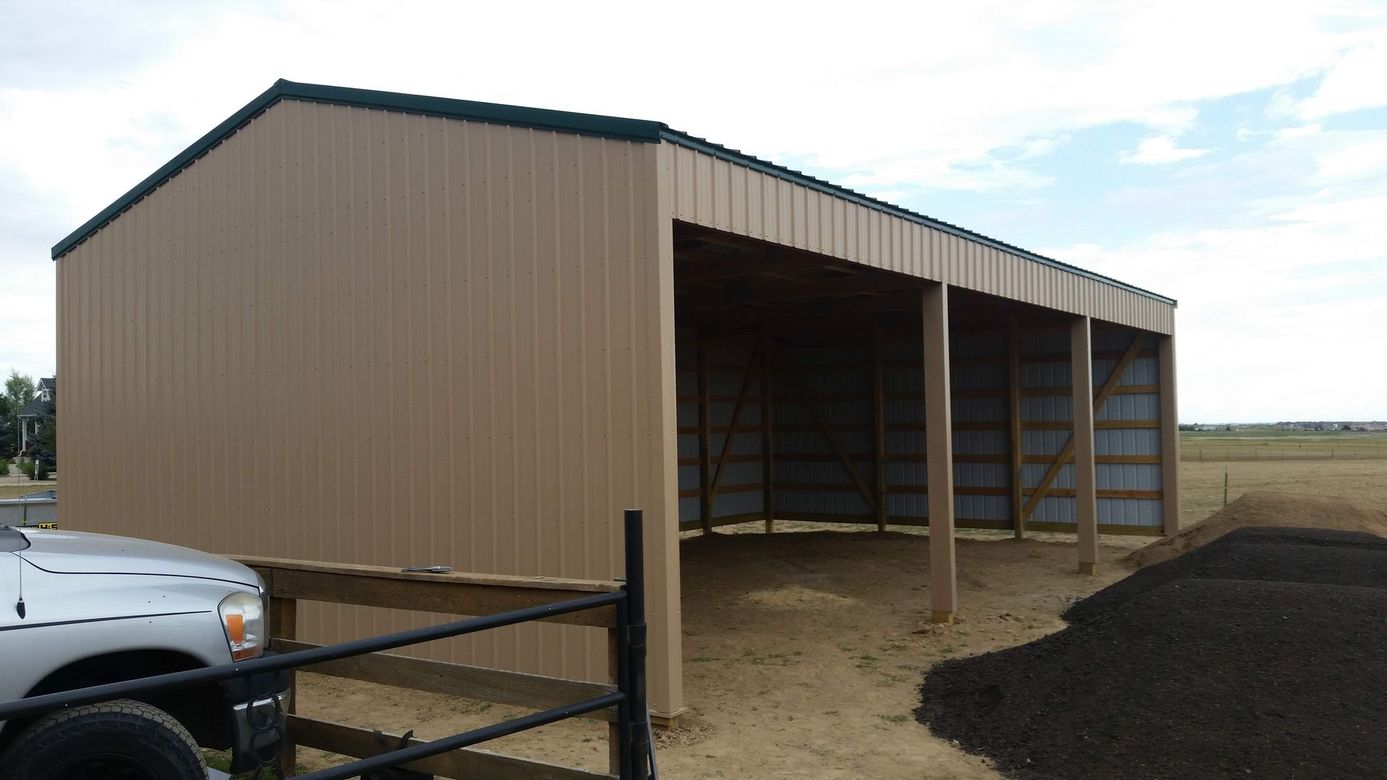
(365, 336)
(784, 212)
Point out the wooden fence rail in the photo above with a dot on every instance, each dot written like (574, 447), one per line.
(466, 594)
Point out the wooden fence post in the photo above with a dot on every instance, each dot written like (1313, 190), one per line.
(284, 624)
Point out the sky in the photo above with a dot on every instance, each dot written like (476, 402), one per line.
(1230, 155)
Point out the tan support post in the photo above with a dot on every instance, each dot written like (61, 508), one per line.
(939, 450)
(1085, 473)
(1170, 438)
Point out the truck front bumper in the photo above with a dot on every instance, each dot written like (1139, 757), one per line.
(259, 705)
(257, 731)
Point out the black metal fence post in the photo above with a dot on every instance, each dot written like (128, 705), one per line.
(638, 729)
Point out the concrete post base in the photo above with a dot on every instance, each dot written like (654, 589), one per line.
(940, 616)
(1089, 569)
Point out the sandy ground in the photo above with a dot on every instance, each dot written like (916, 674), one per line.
(803, 653)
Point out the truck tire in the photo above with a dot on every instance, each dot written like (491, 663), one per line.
(113, 740)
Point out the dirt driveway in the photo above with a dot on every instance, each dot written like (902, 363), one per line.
(802, 655)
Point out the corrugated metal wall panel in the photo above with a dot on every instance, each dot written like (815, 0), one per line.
(839, 379)
(1045, 365)
(777, 210)
(726, 373)
(1138, 408)
(980, 359)
(364, 336)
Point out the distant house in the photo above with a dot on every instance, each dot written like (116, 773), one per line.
(31, 416)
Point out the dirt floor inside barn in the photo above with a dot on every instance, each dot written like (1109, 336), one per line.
(803, 652)
(803, 655)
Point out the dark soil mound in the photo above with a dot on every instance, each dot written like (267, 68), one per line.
(1310, 555)
(1194, 679)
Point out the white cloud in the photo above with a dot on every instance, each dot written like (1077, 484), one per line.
(952, 97)
(1160, 150)
(1358, 160)
(1357, 81)
(1278, 321)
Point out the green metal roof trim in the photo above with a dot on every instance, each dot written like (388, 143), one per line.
(495, 113)
(542, 119)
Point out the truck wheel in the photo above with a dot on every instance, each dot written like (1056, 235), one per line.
(113, 740)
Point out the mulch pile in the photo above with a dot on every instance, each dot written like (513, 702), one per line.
(1187, 675)
(1261, 554)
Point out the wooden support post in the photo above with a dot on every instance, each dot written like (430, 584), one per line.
(879, 418)
(767, 441)
(1085, 476)
(1018, 518)
(284, 624)
(1170, 438)
(705, 424)
(939, 452)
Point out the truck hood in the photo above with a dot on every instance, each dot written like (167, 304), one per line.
(75, 552)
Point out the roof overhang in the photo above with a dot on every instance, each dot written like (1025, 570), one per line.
(637, 130)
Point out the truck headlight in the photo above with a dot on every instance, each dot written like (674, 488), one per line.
(243, 618)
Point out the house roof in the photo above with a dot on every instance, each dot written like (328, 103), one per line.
(35, 406)
(639, 130)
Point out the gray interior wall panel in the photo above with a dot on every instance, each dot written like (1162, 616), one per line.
(989, 508)
(989, 442)
(1129, 476)
(1054, 509)
(1127, 441)
(1047, 408)
(1129, 512)
(1140, 408)
(1145, 406)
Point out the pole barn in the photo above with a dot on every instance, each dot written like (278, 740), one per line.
(378, 328)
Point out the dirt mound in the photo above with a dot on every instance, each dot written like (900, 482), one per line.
(1309, 555)
(1197, 678)
(1267, 508)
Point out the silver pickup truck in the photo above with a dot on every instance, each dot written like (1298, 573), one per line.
(79, 609)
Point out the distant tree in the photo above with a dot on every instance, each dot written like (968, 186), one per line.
(9, 428)
(19, 389)
(44, 448)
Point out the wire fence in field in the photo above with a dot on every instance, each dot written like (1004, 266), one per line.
(1242, 454)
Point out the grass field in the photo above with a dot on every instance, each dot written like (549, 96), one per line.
(15, 491)
(1340, 463)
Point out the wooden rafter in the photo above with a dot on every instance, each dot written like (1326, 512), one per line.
(1067, 451)
(694, 269)
(831, 287)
